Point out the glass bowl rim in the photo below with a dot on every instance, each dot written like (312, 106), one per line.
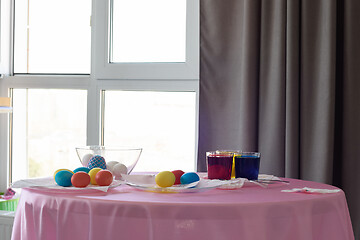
(107, 148)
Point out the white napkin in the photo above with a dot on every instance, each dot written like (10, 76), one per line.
(267, 177)
(49, 183)
(223, 184)
(139, 179)
(148, 181)
(312, 190)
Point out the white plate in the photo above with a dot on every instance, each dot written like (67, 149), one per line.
(114, 184)
(173, 189)
(48, 183)
(202, 185)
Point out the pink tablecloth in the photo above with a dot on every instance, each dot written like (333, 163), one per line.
(249, 213)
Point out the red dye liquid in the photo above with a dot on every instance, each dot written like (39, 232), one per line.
(219, 166)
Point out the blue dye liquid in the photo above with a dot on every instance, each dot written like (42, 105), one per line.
(247, 167)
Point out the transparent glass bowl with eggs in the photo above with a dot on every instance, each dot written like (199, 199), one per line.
(119, 160)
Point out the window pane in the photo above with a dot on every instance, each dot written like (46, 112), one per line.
(148, 31)
(162, 123)
(47, 126)
(52, 36)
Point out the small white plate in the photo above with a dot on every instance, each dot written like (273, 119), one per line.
(188, 188)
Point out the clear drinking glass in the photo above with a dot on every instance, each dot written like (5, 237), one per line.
(219, 164)
(247, 165)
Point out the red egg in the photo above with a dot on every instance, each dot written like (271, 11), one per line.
(178, 174)
(80, 179)
(104, 178)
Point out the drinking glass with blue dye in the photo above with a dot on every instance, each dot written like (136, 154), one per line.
(247, 165)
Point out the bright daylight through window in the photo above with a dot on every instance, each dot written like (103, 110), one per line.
(52, 36)
(61, 101)
(45, 132)
(154, 35)
(163, 123)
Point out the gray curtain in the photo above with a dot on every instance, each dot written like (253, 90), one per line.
(282, 77)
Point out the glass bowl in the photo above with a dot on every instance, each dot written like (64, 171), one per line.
(127, 156)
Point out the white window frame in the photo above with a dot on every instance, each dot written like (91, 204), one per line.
(106, 76)
(5, 36)
(105, 70)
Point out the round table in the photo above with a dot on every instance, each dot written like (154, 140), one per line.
(250, 213)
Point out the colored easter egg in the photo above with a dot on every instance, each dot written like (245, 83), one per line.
(97, 161)
(189, 177)
(82, 169)
(62, 169)
(80, 179)
(104, 178)
(92, 174)
(85, 159)
(63, 178)
(110, 165)
(165, 179)
(178, 174)
(119, 169)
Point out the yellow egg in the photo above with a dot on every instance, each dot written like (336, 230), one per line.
(165, 179)
(92, 174)
(63, 169)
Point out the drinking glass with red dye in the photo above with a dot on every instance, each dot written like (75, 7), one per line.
(219, 164)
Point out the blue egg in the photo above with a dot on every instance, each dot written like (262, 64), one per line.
(189, 177)
(63, 178)
(82, 169)
(97, 161)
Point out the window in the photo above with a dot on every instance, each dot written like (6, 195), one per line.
(154, 35)
(163, 123)
(5, 16)
(45, 132)
(175, 60)
(60, 102)
(52, 36)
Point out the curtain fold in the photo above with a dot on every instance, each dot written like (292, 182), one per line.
(349, 157)
(282, 77)
(317, 89)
